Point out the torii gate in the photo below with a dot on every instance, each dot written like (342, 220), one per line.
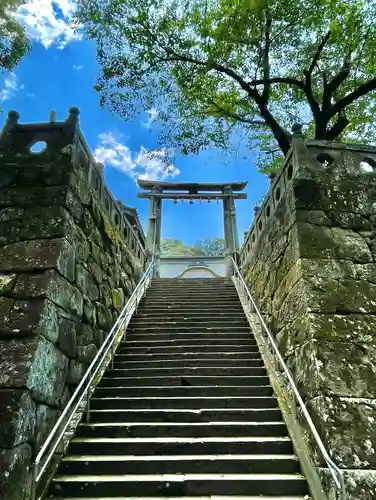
(159, 191)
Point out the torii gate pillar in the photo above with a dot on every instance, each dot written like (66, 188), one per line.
(191, 191)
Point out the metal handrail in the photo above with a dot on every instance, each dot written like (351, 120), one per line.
(336, 472)
(56, 435)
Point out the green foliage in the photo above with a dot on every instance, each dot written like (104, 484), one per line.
(14, 44)
(220, 70)
(209, 247)
(172, 247)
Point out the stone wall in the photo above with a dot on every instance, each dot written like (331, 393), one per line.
(68, 263)
(310, 259)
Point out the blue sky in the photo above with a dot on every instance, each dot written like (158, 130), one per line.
(60, 72)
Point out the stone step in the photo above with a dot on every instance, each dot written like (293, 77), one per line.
(197, 295)
(112, 380)
(150, 340)
(190, 309)
(178, 415)
(198, 324)
(210, 300)
(211, 497)
(175, 329)
(188, 402)
(189, 315)
(187, 484)
(188, 464)
(187, 336)
(165, 446)
(226, 355)
(235, 371)
(180, 429)
(243, 347)
(183, 391)
(194, 363)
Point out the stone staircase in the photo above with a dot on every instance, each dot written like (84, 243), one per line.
(187, 412)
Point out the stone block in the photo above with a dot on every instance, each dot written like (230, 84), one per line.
(103, 317)
(37, 255)
(335, 368)
(348, 220)
(7, 282)
(86, 283)
(366, 272)
(355, 296)
(76, 371)
(359, 484)
(118, 298)
(95, 270)
(350, 245)
(33, 317)
(315, 241)
(317, 217)
(35, 364)
(15, 477)
(347, 426)
(89, 312)
(354, 328)
(46, 417)
(68, 337)
(85, 335)
(17, 411)
(11, 214)
(52, 286)
(86, 353)
(78, 240)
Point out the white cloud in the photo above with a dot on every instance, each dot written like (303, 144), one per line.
(153, 116)
(78, 67)
(146, 164)
(10, 87)
(49, 21)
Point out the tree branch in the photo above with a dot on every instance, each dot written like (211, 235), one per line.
(266, 63)
(237, 117)
(287, 80)
(318, 52)
(335, 82)
(336, 129)
(351, 97)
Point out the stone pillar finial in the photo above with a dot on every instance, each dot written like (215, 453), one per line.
(100, 168)
(52, 117)
(11, 121)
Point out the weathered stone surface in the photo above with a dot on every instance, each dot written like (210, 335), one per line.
(35, 364)
(95, 270)
(89, 312)
(11, 213)
(76, 371)
(7, 282)
(86, 283)
(104, 319)
(315, 241)
(85, 335)
(350, 245)
(317, 217)
(348, 220)
(15, 480)
(320, 327)
(68, 337)
(356, 296)
(17, 411)
(118, 298)
(46, 418)
(348, 427)
(366, 272)
(86, 353)
(53, 287)
(37, 255)
(335, 368)
(360, 484)
(37, 317)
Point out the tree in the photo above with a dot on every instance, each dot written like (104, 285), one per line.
(211, 247)
(172, 247)
(219, 69)
(14, 44)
